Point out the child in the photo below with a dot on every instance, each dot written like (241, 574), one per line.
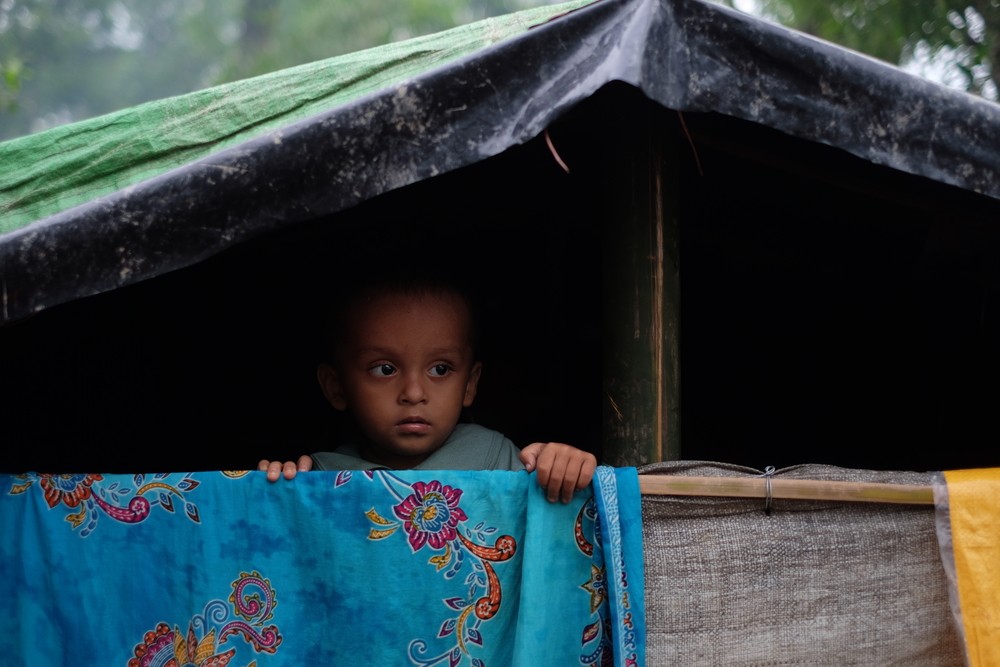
(403, 365)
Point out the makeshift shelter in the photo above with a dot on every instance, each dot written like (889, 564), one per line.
(700, 236)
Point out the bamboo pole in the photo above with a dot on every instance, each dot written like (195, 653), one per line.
(797, 489)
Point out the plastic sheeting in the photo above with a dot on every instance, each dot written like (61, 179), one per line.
(474, 102)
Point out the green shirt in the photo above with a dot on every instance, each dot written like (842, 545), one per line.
(469, 447)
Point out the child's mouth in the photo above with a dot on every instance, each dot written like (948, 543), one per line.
(415, 425)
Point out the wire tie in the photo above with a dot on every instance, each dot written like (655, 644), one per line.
(768, 474)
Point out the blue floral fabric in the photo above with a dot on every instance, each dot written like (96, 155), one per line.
(211, 569)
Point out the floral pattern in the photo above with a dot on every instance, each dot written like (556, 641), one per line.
(243, 616)
(122, 503)
(442, 569)
(430, 514)
(69, 490)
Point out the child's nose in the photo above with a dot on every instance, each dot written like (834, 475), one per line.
(413, 390)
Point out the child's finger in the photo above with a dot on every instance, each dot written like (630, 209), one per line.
(587, 470)
(570, 481)
(556, 481)
(529, 456)
(272, 468)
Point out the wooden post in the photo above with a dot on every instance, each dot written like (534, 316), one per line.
(641, 292)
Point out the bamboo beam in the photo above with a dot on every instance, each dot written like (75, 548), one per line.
(796, 489)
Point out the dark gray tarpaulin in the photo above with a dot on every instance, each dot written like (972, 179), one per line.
(687, 55)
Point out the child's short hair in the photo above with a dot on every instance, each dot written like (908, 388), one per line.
(398, 280)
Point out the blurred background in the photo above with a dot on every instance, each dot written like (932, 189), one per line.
(67, 60)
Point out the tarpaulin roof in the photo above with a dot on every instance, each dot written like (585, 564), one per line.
(102, 203)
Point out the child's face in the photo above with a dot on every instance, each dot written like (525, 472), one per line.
(405, 371)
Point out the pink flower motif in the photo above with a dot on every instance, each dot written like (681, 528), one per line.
(430, 514)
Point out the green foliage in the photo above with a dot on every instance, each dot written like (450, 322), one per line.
(10, 83)
(962, 34)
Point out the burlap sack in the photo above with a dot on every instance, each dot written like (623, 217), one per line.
(809, 583)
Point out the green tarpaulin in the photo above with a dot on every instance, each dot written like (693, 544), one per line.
(52, 171)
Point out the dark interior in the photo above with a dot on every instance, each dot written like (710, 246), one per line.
(213, 366)
(832, 311)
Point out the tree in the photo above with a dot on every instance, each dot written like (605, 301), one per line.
(963, 35)
(85, 57)
(10, 83)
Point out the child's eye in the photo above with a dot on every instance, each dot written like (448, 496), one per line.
(440, 370)
(382, 370)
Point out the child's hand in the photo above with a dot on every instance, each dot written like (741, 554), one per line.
(561, 468)
(290, 468)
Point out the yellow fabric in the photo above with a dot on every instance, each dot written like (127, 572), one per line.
(974, 511)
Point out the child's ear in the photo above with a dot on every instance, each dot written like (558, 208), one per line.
(329, 382)
(472, 384)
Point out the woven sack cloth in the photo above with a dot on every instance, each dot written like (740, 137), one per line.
(805, 583)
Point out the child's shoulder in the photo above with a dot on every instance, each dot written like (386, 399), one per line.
(475, 447)
(344, 457)
(475, 432)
